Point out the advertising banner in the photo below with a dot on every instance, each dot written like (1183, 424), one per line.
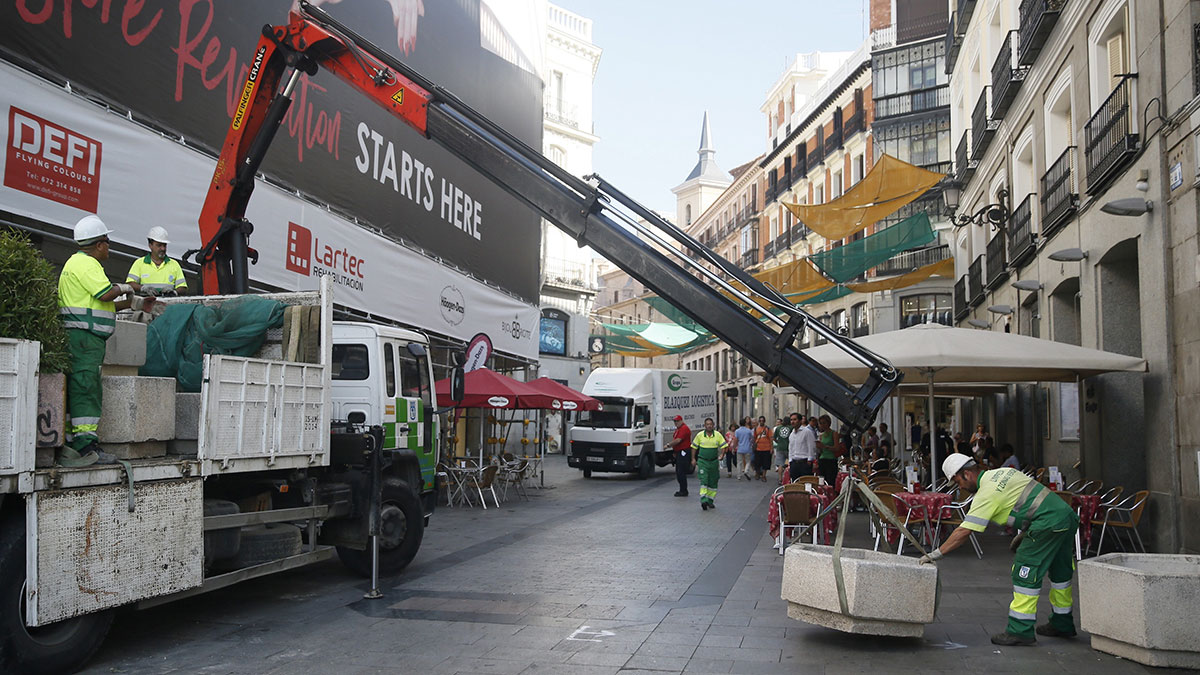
(180, 64)
(62, 151)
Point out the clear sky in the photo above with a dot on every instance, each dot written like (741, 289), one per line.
(667, 61)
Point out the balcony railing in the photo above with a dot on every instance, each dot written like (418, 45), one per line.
(1037, 20)
(1112, 138)
(1059, 195)
(854, 124)
(997, 269)
(799, 231)
(817, 156)
(911, 260)
(1007, 76)
(781, 243)
(883, 38)
(769, 250)
(975, 281)
(834, 141)
(965, 9)
(954, 40)
(800, 167)
(1020, 232)
(961, 309)
(912, 102)
(964, 165)
(750, 258)
(982, 126)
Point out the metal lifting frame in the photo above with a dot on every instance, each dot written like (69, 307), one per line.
(725, 300)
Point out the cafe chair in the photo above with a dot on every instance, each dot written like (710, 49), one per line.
(795, 514)
(807, 480)
(953, 515)
(1124, 516)
(485, 480)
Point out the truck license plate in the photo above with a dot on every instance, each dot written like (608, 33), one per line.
(595, 459)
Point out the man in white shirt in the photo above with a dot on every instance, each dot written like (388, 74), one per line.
(1010, 460)
(802, 448)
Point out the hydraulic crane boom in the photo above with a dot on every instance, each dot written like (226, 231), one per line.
(714, 292)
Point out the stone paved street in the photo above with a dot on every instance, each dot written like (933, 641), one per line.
(601, 576)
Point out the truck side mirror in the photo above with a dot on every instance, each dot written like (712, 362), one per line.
(458, 383)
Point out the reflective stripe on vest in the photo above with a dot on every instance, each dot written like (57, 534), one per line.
(1027, 505)
(99, 321)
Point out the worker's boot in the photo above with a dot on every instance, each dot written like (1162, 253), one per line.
(102, 457)
(71, 458)
(1007, 639)
(1049, 630)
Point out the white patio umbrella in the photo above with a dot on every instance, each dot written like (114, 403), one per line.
(935, 352)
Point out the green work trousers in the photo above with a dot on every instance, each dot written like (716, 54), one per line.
(83, 387)
(1047, 550)
(709, 472)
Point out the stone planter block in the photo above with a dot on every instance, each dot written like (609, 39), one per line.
(187, 416)
(52, 411)
(143, 450)
(886, 594)
(137, 409)
(127, 345)
(1137, 606)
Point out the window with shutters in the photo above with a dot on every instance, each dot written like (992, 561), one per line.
(1110, 46)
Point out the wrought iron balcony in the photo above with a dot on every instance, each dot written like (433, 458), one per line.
(917, 101)
(799, 231)
(769, 250)
(961, 309)
(1007, 76)
(750, 258)
(954, 41)
(854, 124)
(817, 156)
(1111, 137)
(834, 141)
(911, 260)
(964, 164)
(781, 243)
(997, 270)
(975, 281)
(1037, 20)
(1020, 232)
(800, 165)
(982, 126)
(1059, 195)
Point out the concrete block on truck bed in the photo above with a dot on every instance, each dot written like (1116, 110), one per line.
(137, 409)
(52, 410)
(187, 415)
(886, 594)
(143, 450)
(183, 448)
(302, 334)
(1136, 605)
(127, 345)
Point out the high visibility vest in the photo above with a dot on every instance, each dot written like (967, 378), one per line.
(80, 287)
(165, 277)
(1009, 497)
(702, 441)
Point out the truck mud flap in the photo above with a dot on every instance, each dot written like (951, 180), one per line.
(86, 551)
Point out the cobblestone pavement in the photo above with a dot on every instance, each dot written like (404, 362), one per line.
(601, 576)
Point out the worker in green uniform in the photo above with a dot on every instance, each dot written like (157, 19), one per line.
(1008, 497)
(88, 312)
(157, 274)
(708, 448)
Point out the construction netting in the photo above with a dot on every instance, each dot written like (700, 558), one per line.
(847, 262)
(177, 341)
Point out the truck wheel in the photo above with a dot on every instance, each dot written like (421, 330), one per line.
(645, 466)
(59, 647)
(264, 543)
(587, 473)
(402, 526)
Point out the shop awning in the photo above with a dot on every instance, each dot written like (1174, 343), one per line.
(889, 185)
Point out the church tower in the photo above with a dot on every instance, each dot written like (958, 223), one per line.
(703, 185)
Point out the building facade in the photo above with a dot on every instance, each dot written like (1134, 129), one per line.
(1059, 109)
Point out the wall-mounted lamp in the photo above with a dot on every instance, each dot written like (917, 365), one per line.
(1133, 206)
(995, 215)
(1027, 285)
(1069, 255)
(1000, 309)
(979, 323)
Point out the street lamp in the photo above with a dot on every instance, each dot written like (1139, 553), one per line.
(995, 215)
(1069, 255)
(1027, 285)
(979, 323)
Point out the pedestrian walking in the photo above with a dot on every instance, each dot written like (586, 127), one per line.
(780, 436)
(1008, 497)
(681, 444)
(708, 447)
(731, 440)
(762, 449)
(745, 447)
(802, 448)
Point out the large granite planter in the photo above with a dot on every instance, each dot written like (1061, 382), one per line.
(886, 594)
(1141, 607)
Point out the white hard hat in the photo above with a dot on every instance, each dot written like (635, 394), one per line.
(955, 463)
(158, 234)
(89, 228)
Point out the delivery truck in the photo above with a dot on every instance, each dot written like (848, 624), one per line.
(632, 431)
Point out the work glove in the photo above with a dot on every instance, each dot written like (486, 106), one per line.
(931, 557)
(145, 304)
(125, 289)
